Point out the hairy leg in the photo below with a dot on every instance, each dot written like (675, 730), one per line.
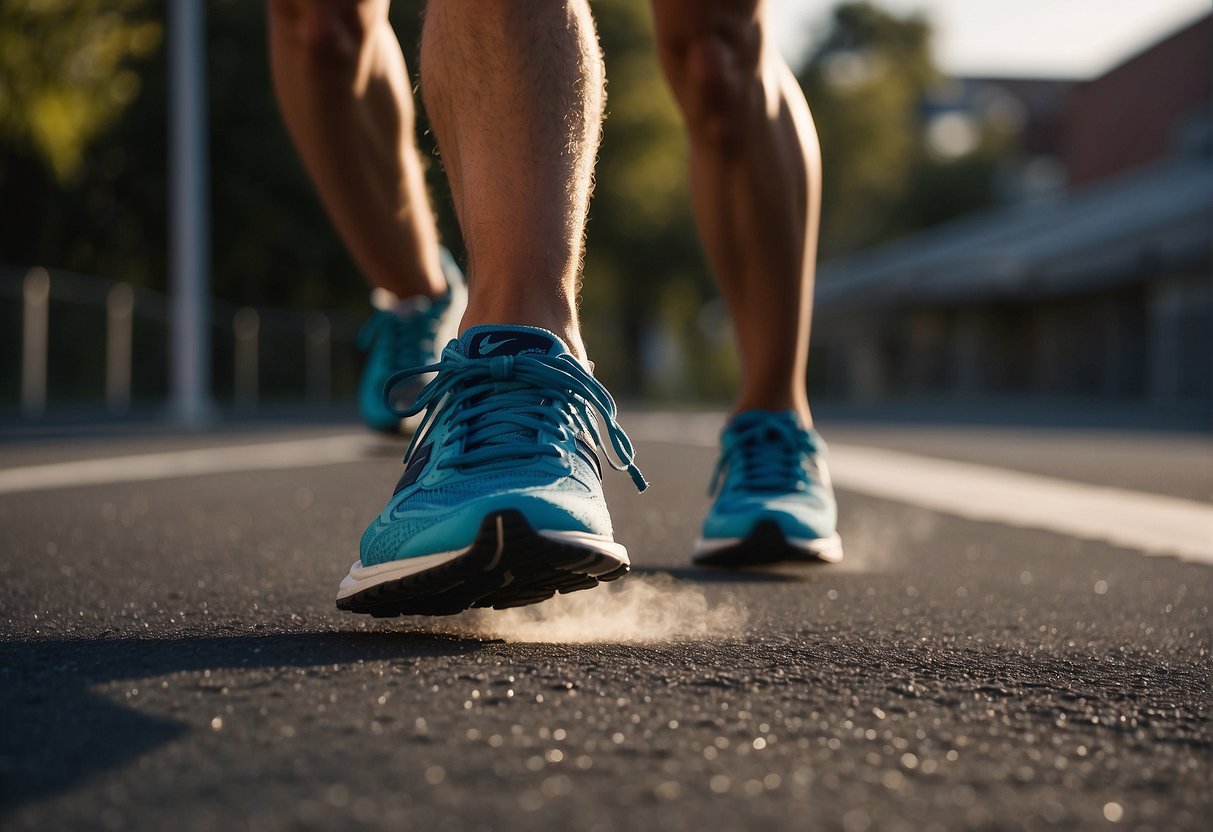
(755, 184)
(514, 91)
(345, 95)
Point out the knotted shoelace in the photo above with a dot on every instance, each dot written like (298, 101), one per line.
(410, 337)
(766, 452)
(511, 410)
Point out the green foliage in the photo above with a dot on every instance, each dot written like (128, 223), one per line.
(864, 83)
(66, 75)
(100, 209)
(867, 82)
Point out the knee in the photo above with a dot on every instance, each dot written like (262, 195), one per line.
(331, 33)
(716, 77)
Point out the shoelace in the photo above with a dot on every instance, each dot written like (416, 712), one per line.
(535, 402)
(409, 339)
(766, 453)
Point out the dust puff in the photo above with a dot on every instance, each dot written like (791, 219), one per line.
(636, 609)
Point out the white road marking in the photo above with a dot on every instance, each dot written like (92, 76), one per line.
(1154, 524)
(299, 453)
(1151, 523)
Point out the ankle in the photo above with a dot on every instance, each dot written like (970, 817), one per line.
(798, 404)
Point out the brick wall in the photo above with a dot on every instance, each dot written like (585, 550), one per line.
(1131, 115)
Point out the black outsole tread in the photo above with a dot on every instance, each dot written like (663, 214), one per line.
(523, 568)
(763, 546)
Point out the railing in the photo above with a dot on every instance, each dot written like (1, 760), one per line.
(75, 342)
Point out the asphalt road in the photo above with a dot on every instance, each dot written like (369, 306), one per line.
(171, 659)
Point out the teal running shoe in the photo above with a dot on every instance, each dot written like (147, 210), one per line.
(774, 501)
(407, 336)
(501, 502)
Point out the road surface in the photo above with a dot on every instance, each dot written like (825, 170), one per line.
(984, 658)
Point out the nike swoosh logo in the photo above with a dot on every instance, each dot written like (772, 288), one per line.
(488, 345)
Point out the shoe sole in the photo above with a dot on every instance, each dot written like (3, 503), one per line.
(766, 544)
(509, 565)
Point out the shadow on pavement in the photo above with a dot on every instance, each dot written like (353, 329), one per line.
(55, 731)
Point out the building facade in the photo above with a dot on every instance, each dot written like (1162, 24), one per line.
(1103, 291)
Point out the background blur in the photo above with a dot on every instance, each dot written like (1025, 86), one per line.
(1018, 203)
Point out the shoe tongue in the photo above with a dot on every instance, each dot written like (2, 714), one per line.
(491, 341)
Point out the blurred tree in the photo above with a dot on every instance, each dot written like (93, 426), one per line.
(864, 83)
(867, 81)
(81, 159)
(65, 72)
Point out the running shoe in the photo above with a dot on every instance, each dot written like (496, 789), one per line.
(500, 503)
(405, 333)
(774, 501)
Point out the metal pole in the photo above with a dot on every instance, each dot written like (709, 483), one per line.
(246, 326)
(189, 230)
(36, 292)
(120, 317)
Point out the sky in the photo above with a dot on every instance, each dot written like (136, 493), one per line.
(1034, 38)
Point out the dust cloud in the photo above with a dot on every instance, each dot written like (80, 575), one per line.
(876, 539)
(652, 608)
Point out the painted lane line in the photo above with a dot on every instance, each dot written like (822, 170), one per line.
(1151, 523)
(300, 453)
(1154, 524)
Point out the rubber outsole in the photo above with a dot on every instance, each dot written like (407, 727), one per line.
(763, 546)
(508, 565)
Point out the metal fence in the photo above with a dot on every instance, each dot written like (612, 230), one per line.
(72, 342)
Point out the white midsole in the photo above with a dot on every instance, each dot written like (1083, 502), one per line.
(362, 578)
(825, 548)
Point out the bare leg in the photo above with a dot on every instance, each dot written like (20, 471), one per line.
(755, 185)
(345, 95)
(514, 91)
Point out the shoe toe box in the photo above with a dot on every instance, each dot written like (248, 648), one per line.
(434, 521)
(803, 515)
